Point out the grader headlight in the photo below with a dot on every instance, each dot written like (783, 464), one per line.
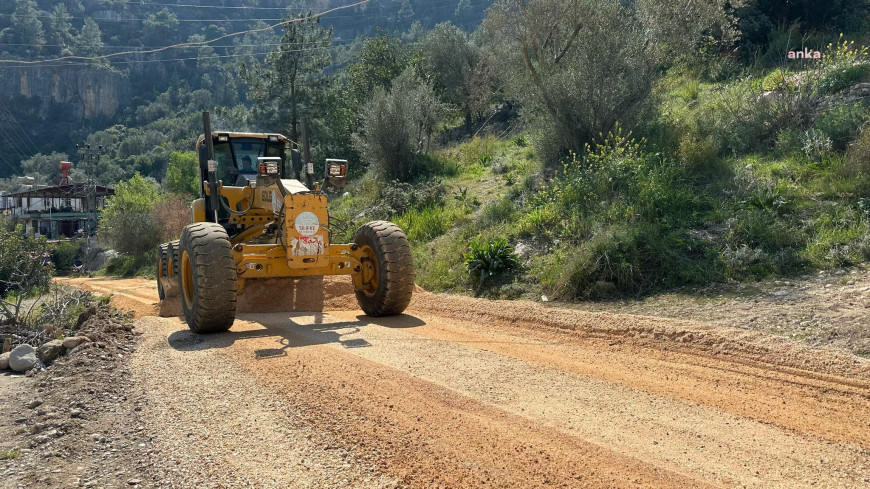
(336, 173)
(268, 168)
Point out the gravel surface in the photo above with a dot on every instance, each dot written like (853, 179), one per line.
(463, 392)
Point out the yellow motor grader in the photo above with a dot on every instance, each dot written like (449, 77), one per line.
(260, 241)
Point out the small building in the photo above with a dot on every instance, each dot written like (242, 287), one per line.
(63, 210)
(5, 203)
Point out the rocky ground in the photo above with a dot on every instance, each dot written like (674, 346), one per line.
(829, 309)
(75, 424)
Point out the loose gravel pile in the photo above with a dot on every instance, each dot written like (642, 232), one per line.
(76, 424)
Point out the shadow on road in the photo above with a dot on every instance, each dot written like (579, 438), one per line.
(291, 332)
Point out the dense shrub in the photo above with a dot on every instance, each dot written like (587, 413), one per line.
(64, 254)
(171, 213)
(126, 224)
(840, 78)
(633, 259)
(622, 217)
(841, 123)
(396, 198)
(133, 265)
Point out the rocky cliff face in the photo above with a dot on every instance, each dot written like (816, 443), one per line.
(91, 92)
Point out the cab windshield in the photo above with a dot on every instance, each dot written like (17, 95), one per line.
(239, 156)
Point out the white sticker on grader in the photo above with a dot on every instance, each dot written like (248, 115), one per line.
(307, 223)
(307, 245)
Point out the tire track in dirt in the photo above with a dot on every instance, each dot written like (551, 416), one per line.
(468, 393)
(421, 433)
(835, 409)
(677, 436)
(212, 426)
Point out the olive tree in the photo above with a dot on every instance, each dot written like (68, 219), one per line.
(451, 59)
(398, 125)
(579, 67)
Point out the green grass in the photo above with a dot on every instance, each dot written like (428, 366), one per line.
(429, 223)
(10, 455)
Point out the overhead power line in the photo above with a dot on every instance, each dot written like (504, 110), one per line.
(215, 7)
(138, 19)
(225, 46)
(184, 44)
(192, 58)
(16, 126)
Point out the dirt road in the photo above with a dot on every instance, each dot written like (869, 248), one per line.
(463, 393)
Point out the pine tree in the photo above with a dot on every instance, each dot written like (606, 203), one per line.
(290, 74)
(89, 42)
(61, 30)
(26, 27)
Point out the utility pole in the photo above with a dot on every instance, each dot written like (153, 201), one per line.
(88, 155)
(87, 158)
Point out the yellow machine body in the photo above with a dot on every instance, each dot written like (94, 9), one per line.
(303, 247)
(259, 241)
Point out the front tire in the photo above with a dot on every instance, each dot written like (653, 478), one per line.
(207, 278)
(388, 269)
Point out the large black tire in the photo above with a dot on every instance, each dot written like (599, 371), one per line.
(172, 253)
(390, 268)
(162, 268)
(207, 278)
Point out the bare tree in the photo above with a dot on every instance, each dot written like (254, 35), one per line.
(24, 270)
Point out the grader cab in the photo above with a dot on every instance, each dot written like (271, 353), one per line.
(259, 241)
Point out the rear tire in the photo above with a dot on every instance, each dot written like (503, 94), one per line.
(172, 246)
(207, 278)
(389, 267)
(162, 268)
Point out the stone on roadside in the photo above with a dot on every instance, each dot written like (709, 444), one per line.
(39, 367)
(4, 361)
(74, 341)
(22, 358)
(7, 345)
(49, 351)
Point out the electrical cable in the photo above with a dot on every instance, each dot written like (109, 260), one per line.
(18, 125)
(215, 7)
(193, 58)
(12, 143)
(188, 44)
(17, 145)
(237, 213)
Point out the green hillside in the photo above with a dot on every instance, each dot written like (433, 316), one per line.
(587, 149)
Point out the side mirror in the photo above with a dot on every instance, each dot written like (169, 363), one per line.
(296, 160)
